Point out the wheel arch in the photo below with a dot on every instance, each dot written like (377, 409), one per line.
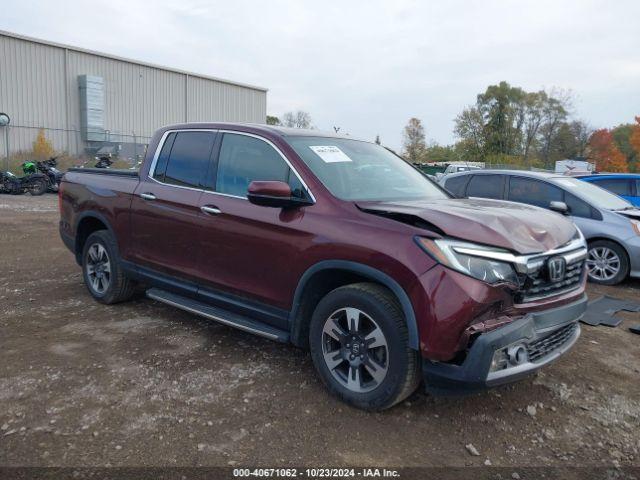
(328, 275)
(596, 238)
(86, 224)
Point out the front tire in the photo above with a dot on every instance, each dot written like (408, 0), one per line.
(37, 187)
(101, 270)
(359, 345)
(607, 262)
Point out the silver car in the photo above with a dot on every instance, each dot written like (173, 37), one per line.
(610, 224)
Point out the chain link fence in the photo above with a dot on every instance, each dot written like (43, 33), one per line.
(19, 143)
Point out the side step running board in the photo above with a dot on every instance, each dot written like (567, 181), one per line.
(218, 314)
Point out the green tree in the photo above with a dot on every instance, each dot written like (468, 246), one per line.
(502, 109)
(440, 153)
(273, 120)
(555, 112)
(470, 129)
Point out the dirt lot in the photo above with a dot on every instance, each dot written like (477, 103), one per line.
(143, 384)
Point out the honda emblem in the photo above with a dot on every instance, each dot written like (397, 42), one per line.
(556, 267)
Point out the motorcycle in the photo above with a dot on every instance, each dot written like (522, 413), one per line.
(35, 184)
(52, 174)
(104, 162)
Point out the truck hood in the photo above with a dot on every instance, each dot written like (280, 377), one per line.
(514, 226)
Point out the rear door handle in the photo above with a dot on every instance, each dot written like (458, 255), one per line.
(148, 196)
(210, 210)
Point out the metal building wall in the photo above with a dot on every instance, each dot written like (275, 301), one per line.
(39, 89)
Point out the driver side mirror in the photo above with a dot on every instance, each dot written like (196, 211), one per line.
(274, 194)
(559, 207)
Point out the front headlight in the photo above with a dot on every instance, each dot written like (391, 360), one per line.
(448, 252)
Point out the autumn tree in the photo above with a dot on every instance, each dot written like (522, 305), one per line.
(634, 140)
(298, 119)
(413, 141)
(622, 137)
(42, 148)
(605, 154)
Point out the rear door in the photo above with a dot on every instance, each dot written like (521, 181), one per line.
(246, 249)
(165, 213)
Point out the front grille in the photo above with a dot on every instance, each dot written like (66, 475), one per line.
(541, 348)
(537, 285)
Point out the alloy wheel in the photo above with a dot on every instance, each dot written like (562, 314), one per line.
(355, 350)
(603, 263)
(98, 268)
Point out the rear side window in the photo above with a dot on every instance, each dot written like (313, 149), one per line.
(486, 186)
(533, 192)
(188, 160)
(619, 186)
(456, 185)
(244, 159)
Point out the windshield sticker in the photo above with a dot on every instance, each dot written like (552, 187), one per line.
(330, 153)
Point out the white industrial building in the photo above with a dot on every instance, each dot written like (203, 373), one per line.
(87, 101)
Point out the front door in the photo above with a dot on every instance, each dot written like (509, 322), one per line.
(246, 249)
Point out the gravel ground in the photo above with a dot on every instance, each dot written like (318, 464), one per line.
(144, 384)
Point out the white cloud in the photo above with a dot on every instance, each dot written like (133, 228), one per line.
(369, 66)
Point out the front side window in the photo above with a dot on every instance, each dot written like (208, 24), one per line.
(533, 192)
(185, 158)
(358, 171)
(244, 159)
(486, 186)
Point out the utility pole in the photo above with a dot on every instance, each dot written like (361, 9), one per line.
(4, 122)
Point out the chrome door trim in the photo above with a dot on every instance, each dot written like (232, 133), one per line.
(156, 155)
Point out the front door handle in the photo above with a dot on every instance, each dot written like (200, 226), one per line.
(148, 196)
(210, 210)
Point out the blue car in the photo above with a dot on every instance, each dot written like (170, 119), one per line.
(626, 185)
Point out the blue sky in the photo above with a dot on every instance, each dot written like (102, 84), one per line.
(370, 66)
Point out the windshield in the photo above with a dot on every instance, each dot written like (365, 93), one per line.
(358, 171)
(593, 194)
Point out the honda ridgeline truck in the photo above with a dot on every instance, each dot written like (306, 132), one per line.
(335, 245)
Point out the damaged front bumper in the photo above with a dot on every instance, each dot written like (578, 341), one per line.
(508, 353)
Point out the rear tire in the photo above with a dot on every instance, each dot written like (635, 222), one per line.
(607, 262)
(360, 347)
(103, 275)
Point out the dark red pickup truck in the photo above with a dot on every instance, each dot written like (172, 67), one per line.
(336, 245)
